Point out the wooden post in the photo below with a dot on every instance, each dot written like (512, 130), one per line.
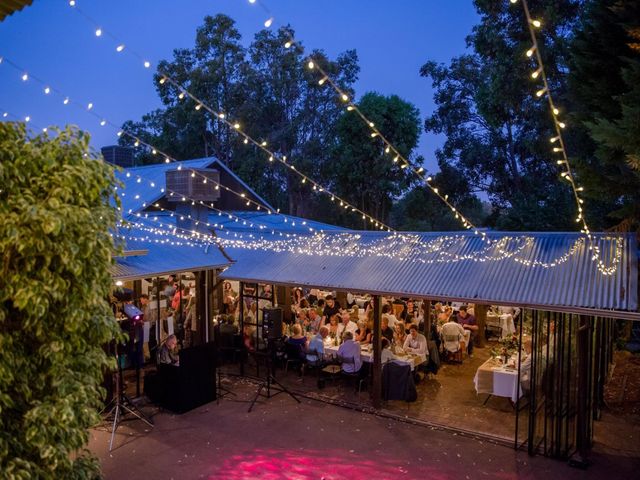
(480, 312)
(583, 437)
(376, 387)
(284, 302)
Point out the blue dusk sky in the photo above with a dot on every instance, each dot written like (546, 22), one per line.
(393, 38)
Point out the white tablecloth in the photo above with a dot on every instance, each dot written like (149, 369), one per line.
(505, 381)
(367, 356)
(505, 321)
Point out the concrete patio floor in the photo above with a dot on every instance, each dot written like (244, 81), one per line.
(282, 439)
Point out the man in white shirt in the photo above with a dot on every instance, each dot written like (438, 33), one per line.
(350, 350)
(387, 313)
(415, 342)
(346, 325)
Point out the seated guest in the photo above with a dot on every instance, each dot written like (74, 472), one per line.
(468, 322)
(168, 353)
(333, 326)
(387, 332)
(444, 315)
(315, 351)
(354, 313)
(314, 320)
(525, 367)
(415, 342)
(399, 335)
(350, 350)
(387, 312)
(386, 355)
(365, 330)
(346, 325)
(227, 327)
(454, 331)
(320, 309)
(298, 340)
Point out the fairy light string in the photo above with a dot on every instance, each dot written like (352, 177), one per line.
(400, 246)
(396, 156)
(234, 126)
(558, 144)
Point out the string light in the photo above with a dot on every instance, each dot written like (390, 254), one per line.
(566, 174)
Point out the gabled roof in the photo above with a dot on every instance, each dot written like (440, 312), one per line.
(137, 182)
(450, 266)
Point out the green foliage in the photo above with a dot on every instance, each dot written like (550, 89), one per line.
(421, 210)
(265, 87)
(362, 172)
(604, 82)
(54, 317)
(497, 131)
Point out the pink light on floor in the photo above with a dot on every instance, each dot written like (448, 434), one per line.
(273, 464)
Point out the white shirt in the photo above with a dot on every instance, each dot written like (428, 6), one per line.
(351, 349)
(416, 345)
(387, 356)
(392, 319)
(350, 327)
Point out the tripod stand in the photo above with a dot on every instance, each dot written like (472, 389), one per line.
(121, 404)
(266, 384)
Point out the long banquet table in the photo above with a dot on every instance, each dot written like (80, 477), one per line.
(366, 353)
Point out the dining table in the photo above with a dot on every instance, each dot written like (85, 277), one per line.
(366, 353)
(498, 380)
(502, 320)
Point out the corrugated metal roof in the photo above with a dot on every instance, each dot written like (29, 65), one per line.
(7, 7)
(450, 266)
(164, 258)
(155, 173)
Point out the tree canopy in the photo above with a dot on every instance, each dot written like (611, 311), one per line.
(54, 317)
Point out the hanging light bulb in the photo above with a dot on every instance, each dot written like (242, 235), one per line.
(322, 80)
(162, 80)
(344, 97)
(66, 101)
(555, 111)
(268, 22)
(47, 90)
(530, 51)
(541, 92)
(98, 32)
(311, 65)
(536, 23)
(25, 77)
(535, 74)
(147, 64)
(120, 48)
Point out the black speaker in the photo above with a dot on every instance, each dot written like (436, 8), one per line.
(272, 323)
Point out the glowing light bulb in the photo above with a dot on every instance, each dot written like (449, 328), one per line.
(198, 106)
(221, 115)
(25, 77)
(120, 132)
(181, 95)
(103, 123)
(162, 80)
(557, 149)
(350, 108)
(98, 32)
(344, 97)
(147, 64)
(536, 23)
(136, 144)
(120, 48)
(541, 92)
(236, 126)
(554, 139)
(535, 74)
(246, 140)
(66, 101)
(287, 45)
(47, 90)
(27, 118)
(268, 22)
(562, 124)
(72, 3)
(530, 51)
(89, 106)
(556, 111)
(252, 1)
(311, 65)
